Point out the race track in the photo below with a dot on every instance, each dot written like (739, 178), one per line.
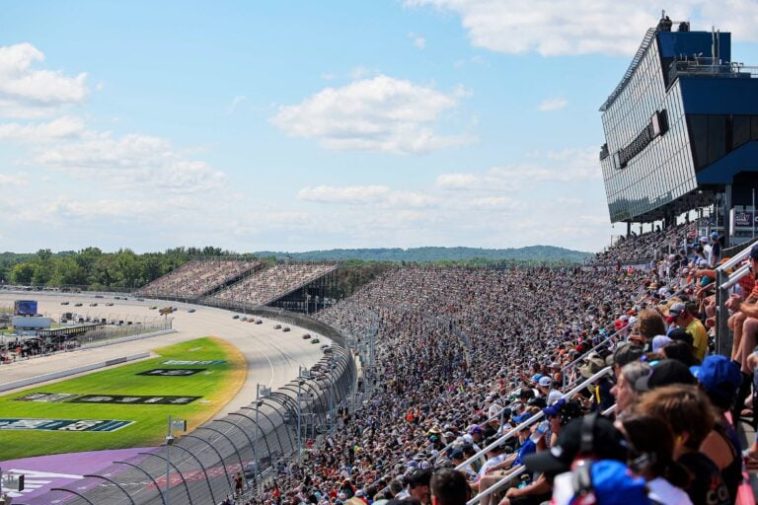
(272, 356)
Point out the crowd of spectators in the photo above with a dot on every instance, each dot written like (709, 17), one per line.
(639, 249)
(274, 282)
(197, 278)
(464, 355)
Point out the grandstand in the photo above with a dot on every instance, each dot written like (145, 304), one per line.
(270, 284)
(198, 278)
(681, 132)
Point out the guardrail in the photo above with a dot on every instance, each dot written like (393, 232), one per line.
(724, 282)
(9, 386)
(200, 467)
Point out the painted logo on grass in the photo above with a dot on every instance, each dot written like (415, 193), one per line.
(136, 400)
(47, 397)
(179, 362)
(101, 398)
(101, 425)
(172, 372)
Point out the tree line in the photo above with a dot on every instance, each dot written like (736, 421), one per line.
(94, 269)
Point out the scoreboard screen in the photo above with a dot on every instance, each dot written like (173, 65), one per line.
(25, 308)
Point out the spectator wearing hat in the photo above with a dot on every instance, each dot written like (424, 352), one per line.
(600, 441)
(527, 445)
(683, 318)
(457, 457)
(539, 490)
(720, 379)
(624, 353)
(689, 414)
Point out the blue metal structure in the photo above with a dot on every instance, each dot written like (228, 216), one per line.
(681, 128)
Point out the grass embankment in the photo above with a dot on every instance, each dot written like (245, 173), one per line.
(216, 384)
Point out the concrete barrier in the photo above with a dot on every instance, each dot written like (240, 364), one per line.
(67, 373)
(140, 336)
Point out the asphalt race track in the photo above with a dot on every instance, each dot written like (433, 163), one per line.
(272, 356)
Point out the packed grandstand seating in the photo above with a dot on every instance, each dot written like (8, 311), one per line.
(644, 248)
(271, 283)
(464, 355)
(197, 278)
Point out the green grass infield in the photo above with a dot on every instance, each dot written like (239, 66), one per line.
(216, 383)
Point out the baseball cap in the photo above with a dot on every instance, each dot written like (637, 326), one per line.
(719, 376)
(665, 373)
(660, 341)
(677, 308)
(607, 443)
(714, 235)
(545, 381)
(754, 252)
(593, 365)
(626, 353)
(474, 428)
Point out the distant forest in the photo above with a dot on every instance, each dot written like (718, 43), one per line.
(532, 254)
(93, 269)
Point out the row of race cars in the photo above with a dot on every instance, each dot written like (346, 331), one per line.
(285, 329)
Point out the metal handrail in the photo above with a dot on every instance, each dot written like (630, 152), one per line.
(507, 478)
(734, 260)
(735, 277)
(536, 417)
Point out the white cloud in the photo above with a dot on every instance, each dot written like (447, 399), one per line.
(418, 40)
(553, 166)
(378, 114)
(568, 27)
(552, 104)
(26, 92)
(237, 101)
(343, 194)
(59, 128)
(377, 196)
(12, 180)
(131, 162)
(457, 181)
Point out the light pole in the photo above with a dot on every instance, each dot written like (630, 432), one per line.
(179, 424)
(303, 375)
(261, 392)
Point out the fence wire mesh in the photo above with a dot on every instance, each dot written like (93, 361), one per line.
(200, 468)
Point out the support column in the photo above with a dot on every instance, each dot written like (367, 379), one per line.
(727, 201)
(628, 228)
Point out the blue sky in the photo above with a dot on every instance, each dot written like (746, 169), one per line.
(311, 125)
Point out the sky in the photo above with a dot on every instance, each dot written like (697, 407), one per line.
(301, 125)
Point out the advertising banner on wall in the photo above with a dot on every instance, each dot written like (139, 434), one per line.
(743, 220)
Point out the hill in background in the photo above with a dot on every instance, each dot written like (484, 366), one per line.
(538, 253)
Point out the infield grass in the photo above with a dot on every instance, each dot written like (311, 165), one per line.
(217, 384)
